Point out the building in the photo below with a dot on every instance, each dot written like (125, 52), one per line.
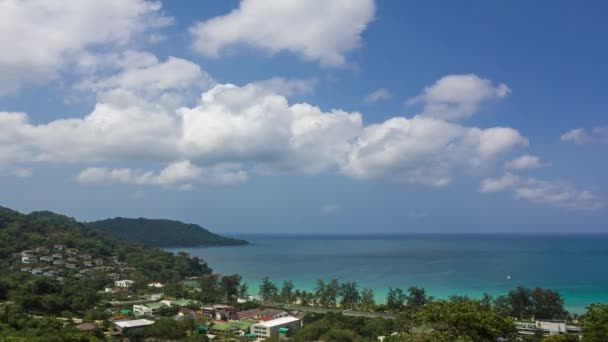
(271, 328)
(131, 324)
(42, 250)
(149, 309)
(156, 285)
(247, 314)
(57, 256)
(181, 302)
(239, 328)
(46, 258)
(114, 276)
(29, 259)
(124, 284)
(72, 251)
(270, 314)
(27, 252)
(546, 328)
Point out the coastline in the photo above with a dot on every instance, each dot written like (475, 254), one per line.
(444, 265)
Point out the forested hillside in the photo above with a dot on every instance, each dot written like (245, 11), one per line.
(162, 233)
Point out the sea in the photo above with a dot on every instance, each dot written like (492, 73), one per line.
(466, 264)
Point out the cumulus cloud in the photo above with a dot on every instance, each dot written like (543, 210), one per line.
(526, 162)
(63, 31)
(458, 96)
(581, 136)
(316, 30)
(141, 76)
(555, 193)
(182, 174)
(378, 95)
(426, 150)
(252, 126)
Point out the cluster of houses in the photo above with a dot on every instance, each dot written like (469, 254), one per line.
(60, 261)
(224, 319)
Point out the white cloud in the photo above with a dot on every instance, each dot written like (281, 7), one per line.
(426, 150)
(581, 136)
(39, 38)
(458, 96)
(378, 95)
(252, 126)
(141, 76)
(182, 174)
(317, 30)
(555, 193)
(526, 162)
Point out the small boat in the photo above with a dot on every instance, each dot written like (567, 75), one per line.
(509, 277)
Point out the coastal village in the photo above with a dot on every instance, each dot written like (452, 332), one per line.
(133, 309)
(138, 310)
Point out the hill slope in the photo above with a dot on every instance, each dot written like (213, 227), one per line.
(162, 233)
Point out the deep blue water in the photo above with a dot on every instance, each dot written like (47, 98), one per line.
(574, 265)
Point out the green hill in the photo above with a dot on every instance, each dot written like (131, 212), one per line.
(19, 232)
(162, 233)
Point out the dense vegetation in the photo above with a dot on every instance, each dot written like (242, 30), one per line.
(37, 308)
(43, 295)
(162, 233)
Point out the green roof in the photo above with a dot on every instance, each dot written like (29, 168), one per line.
(126, 311)
(192, 283)
(240, 325)
(251, 335)
(283, 330)
(182, 302)
(155, 305)
(201, 328)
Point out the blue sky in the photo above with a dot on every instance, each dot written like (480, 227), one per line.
(308, 116)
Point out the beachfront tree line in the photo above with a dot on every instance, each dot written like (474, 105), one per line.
(520, 302)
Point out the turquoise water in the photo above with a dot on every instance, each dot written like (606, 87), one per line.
(574, 265)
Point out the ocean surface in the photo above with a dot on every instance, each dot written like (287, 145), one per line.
(574, 265)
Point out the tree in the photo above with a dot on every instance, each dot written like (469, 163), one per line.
(522, 305)
(230, 287)
(469, 319)
(268, 290)
(287, 295)
(350, 295)
(416, 297)
(340, 335)
(548, 304)
(320, 293)
(367, 299)
(395, 299)
(594, 323)
(243, 289)
(210, 288)
(332, 290)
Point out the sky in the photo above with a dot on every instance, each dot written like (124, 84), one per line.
(308, 116)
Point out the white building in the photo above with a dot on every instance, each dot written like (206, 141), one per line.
(129, 324)
(147, 309)
(546, 327)
(124, 284)
(271, 328)
(29, 259)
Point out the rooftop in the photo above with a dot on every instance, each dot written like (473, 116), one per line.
(134, 323)
(278, 321)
